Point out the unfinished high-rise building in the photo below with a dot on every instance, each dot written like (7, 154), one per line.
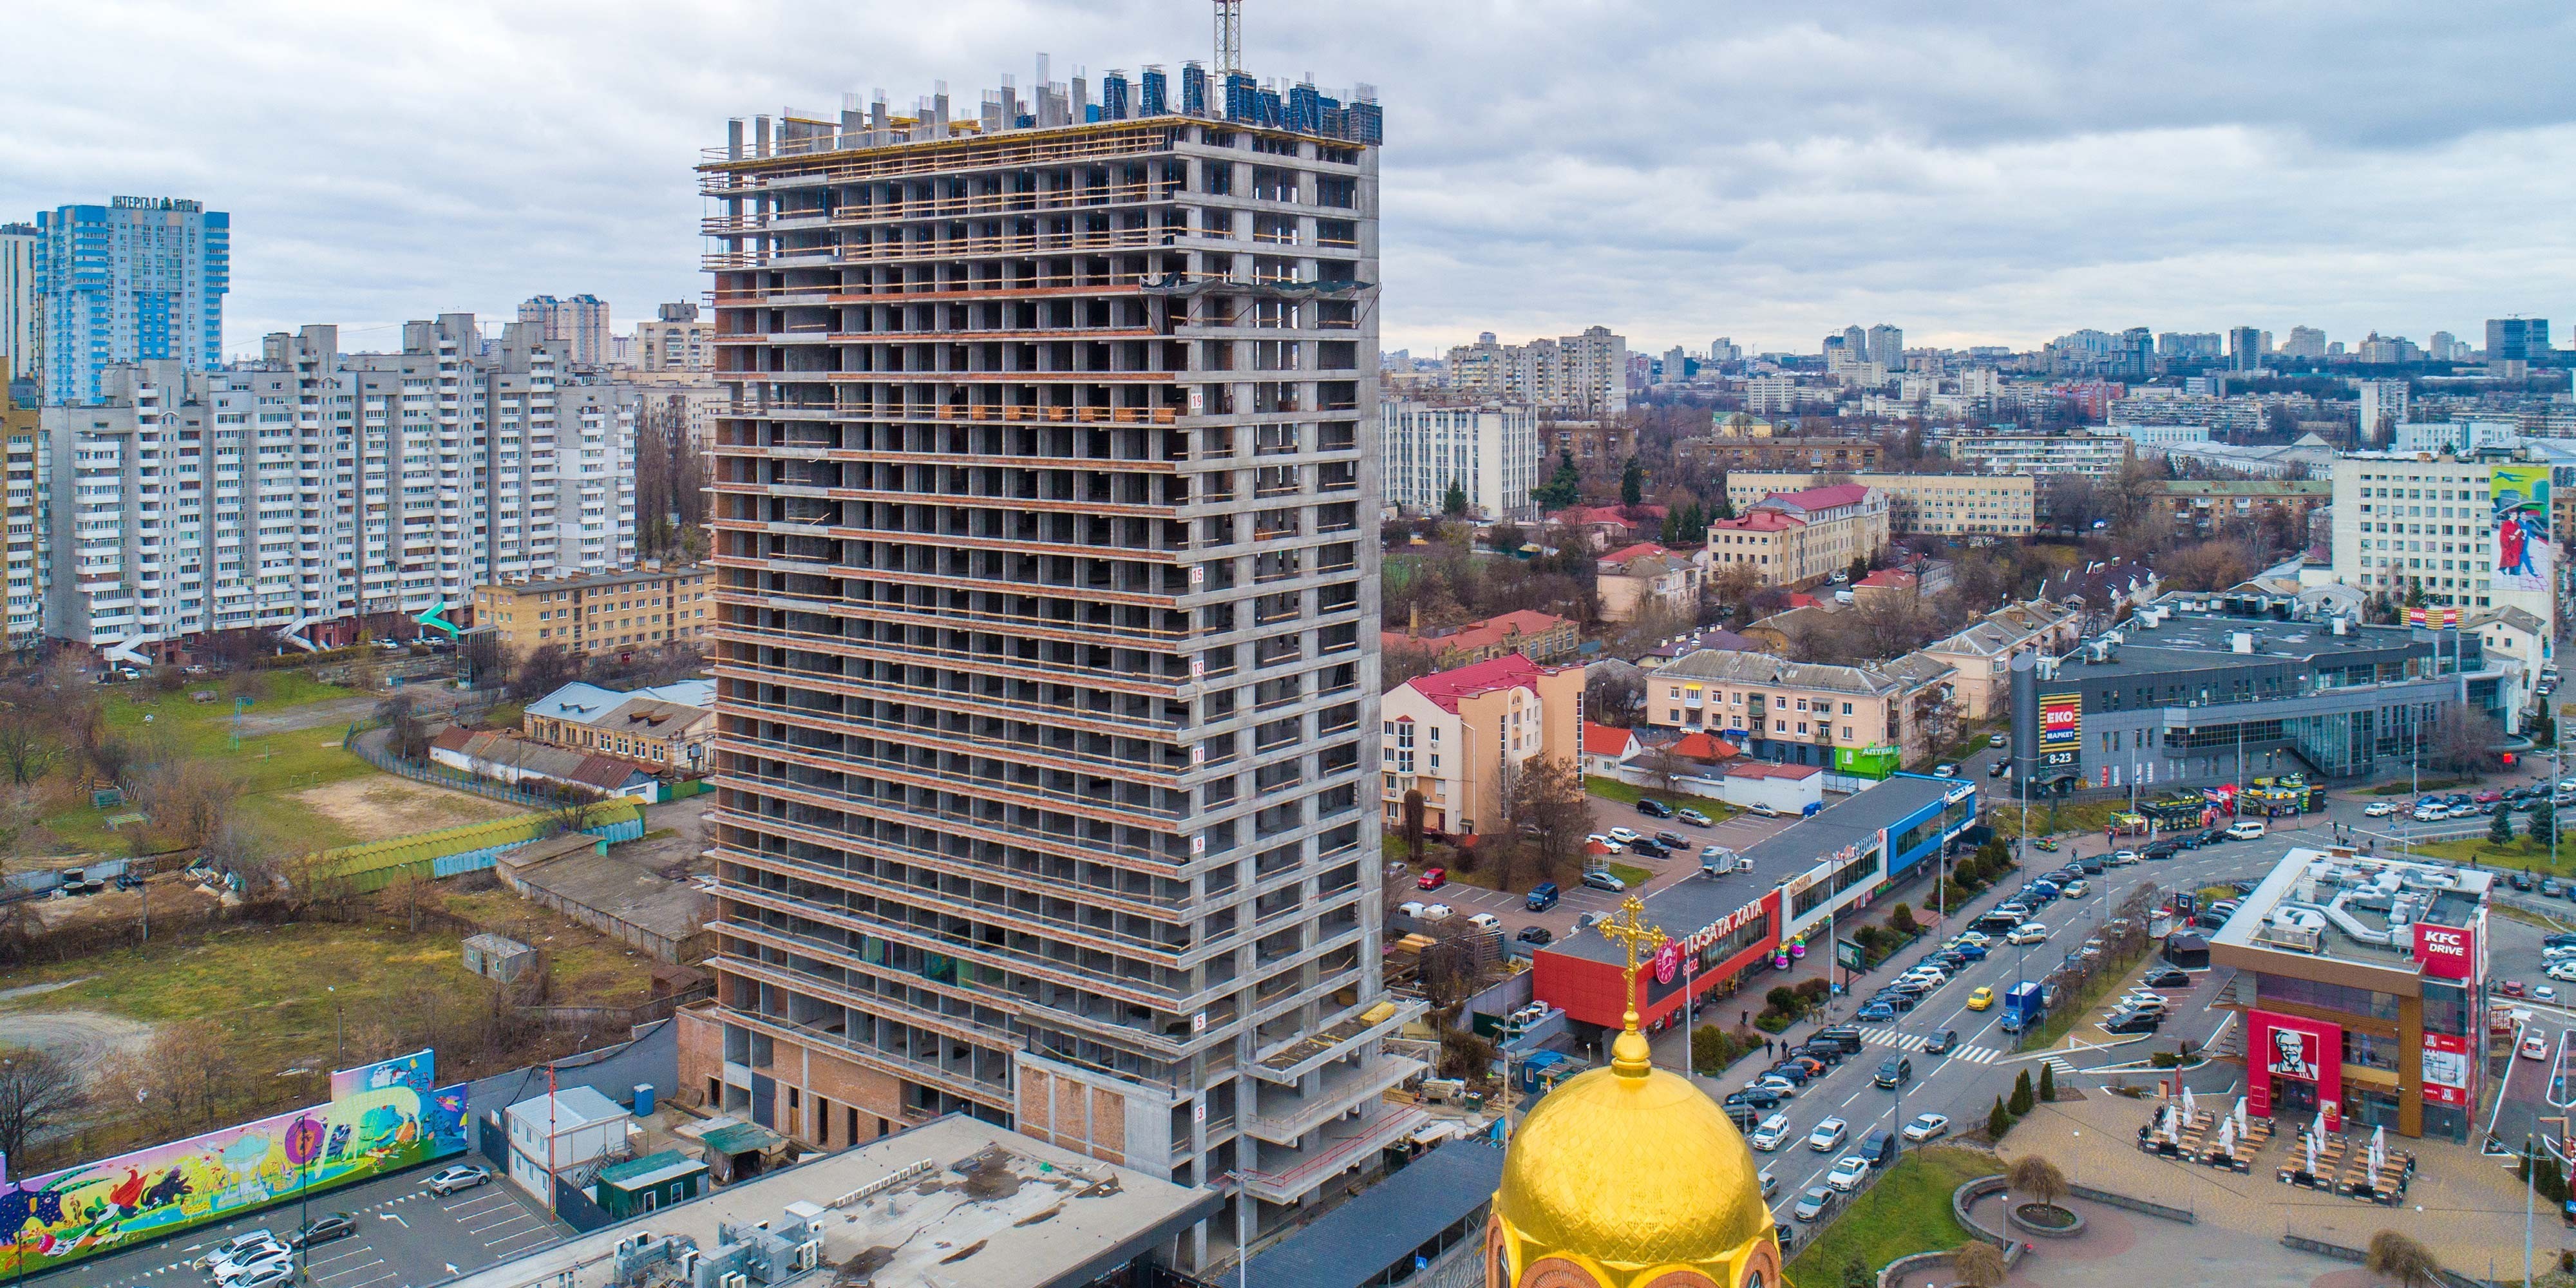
(1046, 513)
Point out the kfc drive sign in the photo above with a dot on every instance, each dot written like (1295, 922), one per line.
(2446, 952)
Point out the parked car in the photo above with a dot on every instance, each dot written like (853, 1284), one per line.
(1484, 921)
(323, 1229)
(1926, 1126)
(1971, 952)
(2129, 1023)
(1434, 912)
(1652, 808)
(1843, 1036)
(1762, 1098)
(1875, 1013)
(1431, 879)
(269, 1274)
(2550, 888)
(2028, 932)
(2378, 809)
(1600, 879)
(255, 1261)
(1623, 835)
(1542, 897)
(1647, 848)
(1848, 1173)
(1539, 936)
(1770, 1184)
(2245, 829)
(2167, 977)
(2078, 889)
(464, 1176)
(1945, 770)
(1691, 816)
(241, 1252)
(1673, 841)
(1606, 843)
(1829, 1135)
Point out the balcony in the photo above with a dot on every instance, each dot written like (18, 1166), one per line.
(1288, 1175)
(1285, 1063)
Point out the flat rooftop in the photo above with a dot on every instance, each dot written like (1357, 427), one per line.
(1689, 904)
(987, 1206)
(2199, 642)
(2341, 905)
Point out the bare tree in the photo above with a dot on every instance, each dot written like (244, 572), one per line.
(188, 800)
(1615, 696)
(2461, 739)
(38, 1090)
(545, 669)
(1978, 1264)
(1551, 809)
(407, 734)
(1663, 768)
(2037, 1180)
(2396, 1256)
(27, 746)
(570, 810)
(1403, 665)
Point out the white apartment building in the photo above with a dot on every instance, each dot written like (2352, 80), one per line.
(2093, 455)
(1490, 451)
(2384, 406)
(676, 340)
(2402, 519)
(576, 325)
(300, 495)
(2160, 435)
(18, 352)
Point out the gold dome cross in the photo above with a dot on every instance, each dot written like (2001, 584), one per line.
(1629, 1054)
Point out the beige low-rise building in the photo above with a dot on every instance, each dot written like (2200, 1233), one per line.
(1980, 655)
(644, 607)
(1456, 735)
(1944, 504)
(1647, 578)
(1803, 713)
(1798, 538)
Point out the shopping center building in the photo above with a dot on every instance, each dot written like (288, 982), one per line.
(2359, 991)
(1724, 929)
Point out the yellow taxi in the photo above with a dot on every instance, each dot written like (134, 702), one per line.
(1981, 999)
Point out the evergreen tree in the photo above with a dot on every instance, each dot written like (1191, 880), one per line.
(1725, 506)
(2047, 1085)
(2500, 829)
(1859, 568)
(2023, 1098)
(1563, 488)
(1632, 483)
(1455, 503)
(1998, 1120)
(1856, 1274)
(2544, 820)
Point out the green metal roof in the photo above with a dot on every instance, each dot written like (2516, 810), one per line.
(652, 1169)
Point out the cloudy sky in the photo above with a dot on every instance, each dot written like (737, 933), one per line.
(1678, 171)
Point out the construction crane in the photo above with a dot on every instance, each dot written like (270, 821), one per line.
(1229, 38)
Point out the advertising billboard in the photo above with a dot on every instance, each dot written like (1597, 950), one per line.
(2446, 1069)
(2519, 555)
(2284, 1051)
(381, 1118)
(2061, 728)
(2446, 952)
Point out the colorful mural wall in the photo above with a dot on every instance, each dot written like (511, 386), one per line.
(2520, 551)
(382, 1118)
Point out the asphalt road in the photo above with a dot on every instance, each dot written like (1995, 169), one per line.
(406, 1236)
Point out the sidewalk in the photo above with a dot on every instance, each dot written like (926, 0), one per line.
(2462, 1207)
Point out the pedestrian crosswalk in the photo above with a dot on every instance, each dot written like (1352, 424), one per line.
(2058, 1069)
(1917, 1041)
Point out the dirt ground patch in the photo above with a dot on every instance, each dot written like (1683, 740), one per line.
(171, 897)
(83, 1039)
(379, 806)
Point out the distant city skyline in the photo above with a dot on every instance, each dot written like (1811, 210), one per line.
(1636, 166)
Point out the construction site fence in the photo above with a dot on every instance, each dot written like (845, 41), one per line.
(435, 776)
(471, 847)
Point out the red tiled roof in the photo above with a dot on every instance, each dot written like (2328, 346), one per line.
(1475, 635)
(1637, 551)
(1508, 671)
(1759, 521)
(1613, 514)
(1896, 578)
(1702, 745)
(1604, 740)
(1801, 599)
(1765, 769)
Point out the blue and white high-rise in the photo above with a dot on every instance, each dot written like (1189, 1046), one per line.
(139, 279)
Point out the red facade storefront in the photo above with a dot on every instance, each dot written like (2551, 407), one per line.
(2294, 1064)
(1587, 989)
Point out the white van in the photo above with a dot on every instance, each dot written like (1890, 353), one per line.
(2250, 829)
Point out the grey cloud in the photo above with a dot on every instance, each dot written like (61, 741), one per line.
(1679, 171)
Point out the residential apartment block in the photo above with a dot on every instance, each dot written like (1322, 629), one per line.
(2097, 455)
(2426, 520)
(1490, 451)
(2221, 505)
(1648, 578)
(1578, 374)
(1460, 737)
(676, 340)
(1045, 526)
(26, 493)
(2005, 505)
(1797, 538)
(636, 608)
(576, 326)
(139, 279)
(301, 494)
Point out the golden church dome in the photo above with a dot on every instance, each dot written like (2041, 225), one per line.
(1632, 1168)
(1630, 1177)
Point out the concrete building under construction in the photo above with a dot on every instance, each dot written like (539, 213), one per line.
(1045, 511)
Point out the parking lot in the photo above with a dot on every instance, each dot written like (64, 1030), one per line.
(406, 1237)
(1510, 907)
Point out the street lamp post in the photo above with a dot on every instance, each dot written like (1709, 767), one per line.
(339, 1049)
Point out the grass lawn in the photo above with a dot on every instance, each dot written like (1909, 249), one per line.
(1630, 875)
(2055, 817)
(268, 983)
(268, 762)
(2523, 853)
(1611, 789)
(1908, 1211)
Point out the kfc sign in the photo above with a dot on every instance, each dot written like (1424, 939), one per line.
(2291, 1054)
(2445, 952)
(2446, 1069)
(2293, 1049)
